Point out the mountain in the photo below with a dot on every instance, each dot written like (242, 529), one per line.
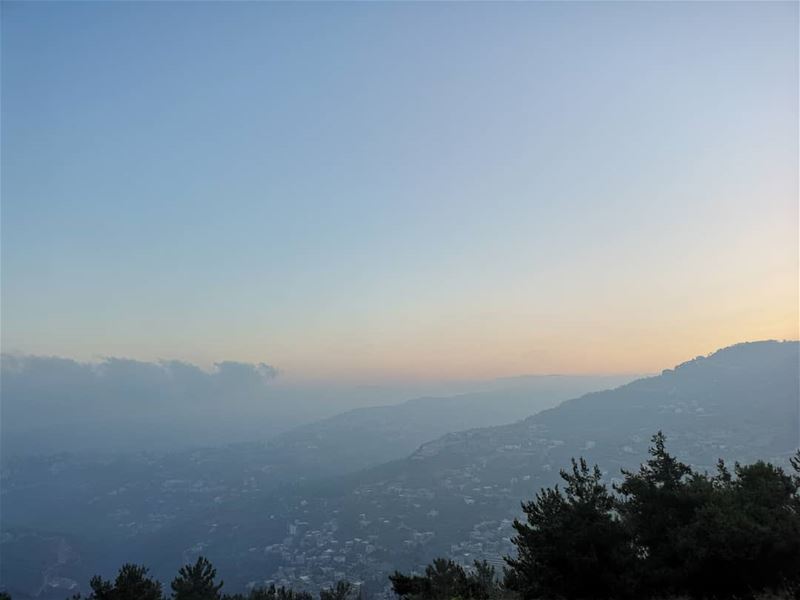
(63, 510)
(457, 495)
(363, 437)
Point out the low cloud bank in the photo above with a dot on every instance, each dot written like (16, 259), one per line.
(52, 403)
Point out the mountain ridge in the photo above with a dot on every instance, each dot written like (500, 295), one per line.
(455, 495)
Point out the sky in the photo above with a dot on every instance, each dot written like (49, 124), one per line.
(399, 191)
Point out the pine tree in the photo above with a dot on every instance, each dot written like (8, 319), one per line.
(572, 545)
(445, 580)
(659, 503)
(343, 590)
(132, 583)
(745, 536)
(196, 582)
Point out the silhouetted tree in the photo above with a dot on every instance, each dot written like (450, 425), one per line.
(132, 583)
(671, 531)
(660, 501)
(572, 545)
(483, 582)
(743, 537)
(712, 536)
(196, 582)
(343, 590)
(444, 580)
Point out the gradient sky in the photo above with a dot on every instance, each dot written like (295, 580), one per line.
(366, 191)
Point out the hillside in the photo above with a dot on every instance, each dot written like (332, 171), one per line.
(454, 496)
(365, 437)
(457, 495)
(62, 510)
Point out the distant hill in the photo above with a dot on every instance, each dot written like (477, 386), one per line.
(368, 436)
(740, 402)
(454, 495)
(53, 405)
(85, 502)
(457, 495)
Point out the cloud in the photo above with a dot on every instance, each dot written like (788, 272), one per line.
(44, 394)
(241, 372)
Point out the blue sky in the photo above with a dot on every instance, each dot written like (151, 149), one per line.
(363, 191)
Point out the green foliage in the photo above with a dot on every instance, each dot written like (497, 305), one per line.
(193, 582)
(745, 536)
(663, 495)
(445, 580)
(343, 590)
(712, 536)
(196, 582)
(5, 596)
(572, 544)
(670, 531)
(132, 583)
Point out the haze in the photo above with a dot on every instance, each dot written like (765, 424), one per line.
(320, 300)
(399, 192)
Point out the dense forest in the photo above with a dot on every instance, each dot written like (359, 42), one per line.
(665, 531)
